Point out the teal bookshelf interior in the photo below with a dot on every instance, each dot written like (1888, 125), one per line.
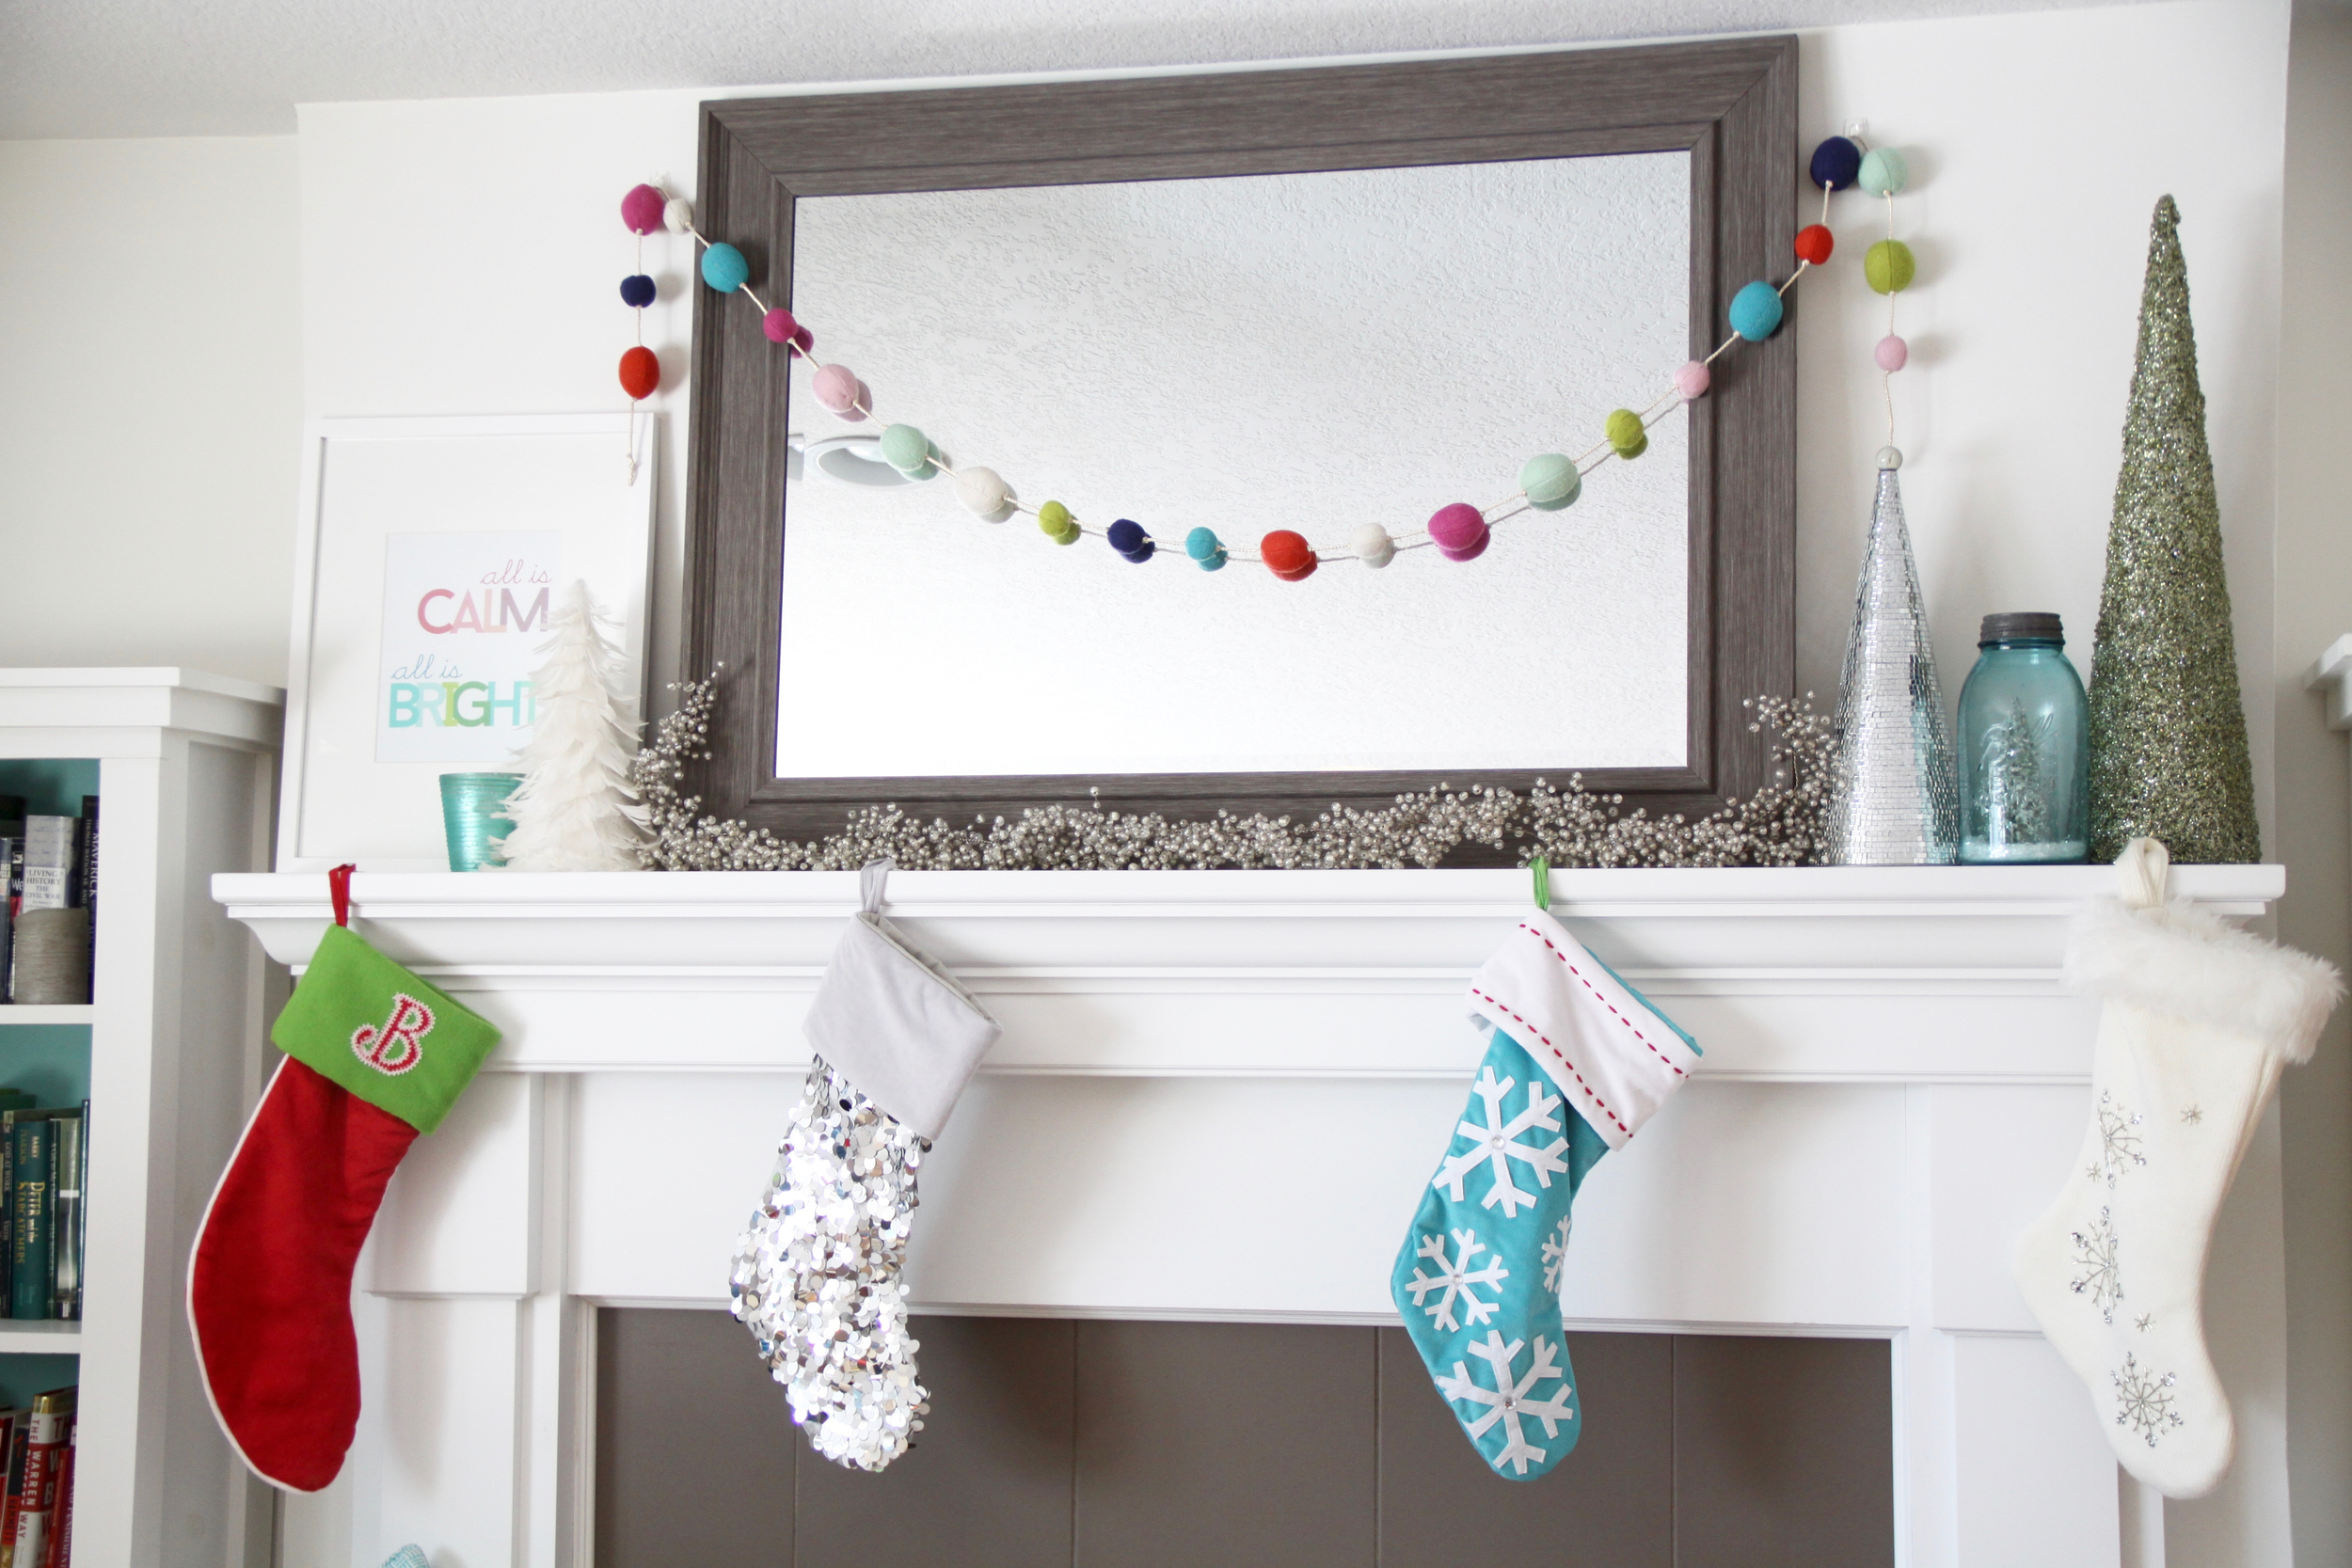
(52, 787)
(48, 1061)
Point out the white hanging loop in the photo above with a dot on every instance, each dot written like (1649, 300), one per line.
(2142, 871)
(870, 881)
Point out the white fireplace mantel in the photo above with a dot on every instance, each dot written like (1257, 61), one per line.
(1894, 1085)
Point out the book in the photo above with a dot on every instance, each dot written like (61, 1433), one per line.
(66, 1168)
(61, 1542)
(80, 1213)
(51, 1420)
(15, 1106)
(32, 1198)
(20, 1434)
(11, 888)
(53, 855)
(90, 882)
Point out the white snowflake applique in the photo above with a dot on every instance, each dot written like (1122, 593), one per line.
(1508, 1401)
(1497, 1145)
(1457, 1280)
(1555, 1255)
(2143, 1401)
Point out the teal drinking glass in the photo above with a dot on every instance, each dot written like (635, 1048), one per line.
(471, 815)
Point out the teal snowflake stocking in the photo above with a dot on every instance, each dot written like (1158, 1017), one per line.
(1576, 1061)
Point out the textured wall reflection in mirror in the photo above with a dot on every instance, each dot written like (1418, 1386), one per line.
(1305, 350)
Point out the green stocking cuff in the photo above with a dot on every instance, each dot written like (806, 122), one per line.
(362, 1022)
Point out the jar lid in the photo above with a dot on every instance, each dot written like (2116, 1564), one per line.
(2022, 626)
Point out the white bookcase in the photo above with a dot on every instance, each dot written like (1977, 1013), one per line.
(171, 1053)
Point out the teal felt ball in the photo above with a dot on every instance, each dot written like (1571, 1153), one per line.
(1550, 482)
(906, 448)
(1207, 551)
(1756, 311)
(1884, 171)
(724, 269)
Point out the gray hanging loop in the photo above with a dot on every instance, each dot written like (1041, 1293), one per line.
(870, 884)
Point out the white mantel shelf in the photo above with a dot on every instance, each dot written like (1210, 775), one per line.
(1809, 975)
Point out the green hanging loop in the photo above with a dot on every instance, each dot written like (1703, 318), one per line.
(1542, 868)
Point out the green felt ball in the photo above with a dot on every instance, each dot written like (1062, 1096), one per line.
(1626, 433)
(1550, 482)
(1055, 521)
(1888, 267)
(906, 448)
(1884, 171)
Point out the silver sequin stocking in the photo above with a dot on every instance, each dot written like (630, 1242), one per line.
(817, 1274)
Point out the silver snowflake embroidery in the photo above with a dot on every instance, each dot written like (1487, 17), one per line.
(2102, 1279)
(1556, 1256)
(1508, 1401)
(2142, 1322)
(1456, 1280)
(2119, 1145)
(2194, 1116)
(2144, 1403)
(1497, 1145)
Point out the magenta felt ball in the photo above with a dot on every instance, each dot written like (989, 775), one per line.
(804, 340)
(1694, 379)
(641, 209)
(1459, 532)
(779, 326)
(1891, 352)
(836, 388)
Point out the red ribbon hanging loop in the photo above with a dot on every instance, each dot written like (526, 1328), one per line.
(338, 888)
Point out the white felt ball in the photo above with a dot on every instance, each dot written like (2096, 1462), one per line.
(678, 217)
(984, 493)
(1374, 547)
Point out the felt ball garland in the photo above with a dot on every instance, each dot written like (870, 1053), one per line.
(645, 209)
(1549, 482)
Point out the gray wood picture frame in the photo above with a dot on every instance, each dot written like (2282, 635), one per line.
(1730, 104)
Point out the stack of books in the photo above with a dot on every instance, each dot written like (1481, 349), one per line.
(44, 1159)
(52, 865)
(36, 1519)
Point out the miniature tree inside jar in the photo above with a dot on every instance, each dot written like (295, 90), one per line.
(2024, 747)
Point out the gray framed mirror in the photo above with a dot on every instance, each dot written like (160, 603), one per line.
(1300, 299)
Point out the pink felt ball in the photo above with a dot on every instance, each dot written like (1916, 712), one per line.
(641, 209)
(1891, 352)
(1459, 532)
(839, 391)
(1692, 379)
(779, 326)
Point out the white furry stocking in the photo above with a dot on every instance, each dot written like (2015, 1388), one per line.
(2200, 1019)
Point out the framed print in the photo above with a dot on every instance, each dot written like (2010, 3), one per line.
(431, 555)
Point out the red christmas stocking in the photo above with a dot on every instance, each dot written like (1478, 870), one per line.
(376, 1056)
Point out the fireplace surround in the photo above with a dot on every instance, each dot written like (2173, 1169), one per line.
(1894, 1084)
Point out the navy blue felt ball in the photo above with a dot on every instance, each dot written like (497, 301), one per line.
(1128, 539)
(1835, 163)
(637, 291)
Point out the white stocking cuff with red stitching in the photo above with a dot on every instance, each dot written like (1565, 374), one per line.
(1612, 1054)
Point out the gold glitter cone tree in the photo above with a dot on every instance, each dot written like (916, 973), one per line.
(2168, 734)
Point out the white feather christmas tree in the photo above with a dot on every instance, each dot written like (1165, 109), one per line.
(575, 809)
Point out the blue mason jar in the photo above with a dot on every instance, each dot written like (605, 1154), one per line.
(2024, 747)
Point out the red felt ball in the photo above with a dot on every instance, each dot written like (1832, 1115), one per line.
(640, 373)
(1814, 244)
(1287, 555)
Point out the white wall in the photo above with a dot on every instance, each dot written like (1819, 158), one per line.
(150, 398)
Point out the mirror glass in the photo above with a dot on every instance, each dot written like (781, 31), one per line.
(1312, 352)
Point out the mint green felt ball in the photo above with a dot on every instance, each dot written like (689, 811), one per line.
(906, 448)
(1550, 482)
(1888, 267)
(1884, 171)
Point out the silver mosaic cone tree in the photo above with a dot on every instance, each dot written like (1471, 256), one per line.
(1894, 787)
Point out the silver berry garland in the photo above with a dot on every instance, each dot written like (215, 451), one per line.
(1778, 825)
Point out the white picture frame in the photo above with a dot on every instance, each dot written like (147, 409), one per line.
(370, 488)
